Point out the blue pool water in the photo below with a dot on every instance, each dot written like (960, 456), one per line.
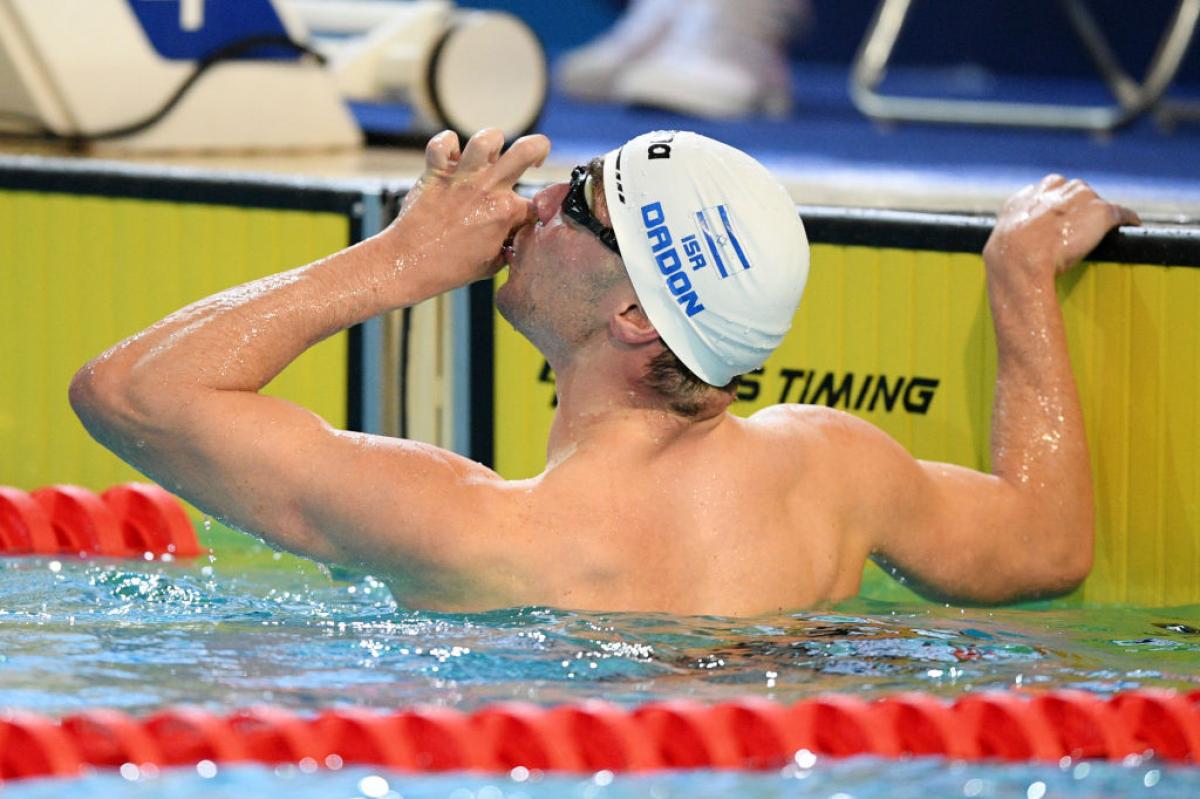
(254, 628)
(859, 778)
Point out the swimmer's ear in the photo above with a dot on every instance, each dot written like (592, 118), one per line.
(632, 326)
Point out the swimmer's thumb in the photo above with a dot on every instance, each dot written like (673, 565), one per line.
(529, 217)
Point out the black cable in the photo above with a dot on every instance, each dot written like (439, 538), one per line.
(37, 131)
(405, 335)
(226, 53)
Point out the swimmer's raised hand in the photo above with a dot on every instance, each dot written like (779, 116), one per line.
(1048, 227)
(463, 208)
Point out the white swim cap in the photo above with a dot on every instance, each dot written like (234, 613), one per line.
(713, 245)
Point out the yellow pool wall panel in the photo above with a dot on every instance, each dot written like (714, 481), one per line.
(918, 322)
(83, 272)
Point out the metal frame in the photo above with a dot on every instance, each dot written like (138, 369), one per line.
(1131, 97)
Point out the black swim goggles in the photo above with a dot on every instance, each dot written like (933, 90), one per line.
(575, 205)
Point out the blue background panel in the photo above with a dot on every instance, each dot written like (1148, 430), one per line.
(223, 22)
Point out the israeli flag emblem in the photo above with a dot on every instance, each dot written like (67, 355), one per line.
(716, 228)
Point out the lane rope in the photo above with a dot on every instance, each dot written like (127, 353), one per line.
(749, 733)
(125, 521)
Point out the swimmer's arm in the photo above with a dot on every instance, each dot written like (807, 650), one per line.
(179, 401)
(1025, 530)
(264, 465)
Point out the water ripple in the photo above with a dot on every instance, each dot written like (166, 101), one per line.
(143, 635)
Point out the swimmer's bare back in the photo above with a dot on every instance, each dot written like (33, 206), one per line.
(647, 511)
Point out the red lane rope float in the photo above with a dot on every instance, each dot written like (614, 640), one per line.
(24, 526)
(683, 735)
(923, 725)
(32, 746)
(440, 739)
(594, 735)
(152, 520)
(606, 736)
(1087, 726)
(108, 738)
(761, 732)
(843, 726)
(1168, 723)
(1008, 727)
(360, 737)
(82, 522)
(126, 521)
(185, 736)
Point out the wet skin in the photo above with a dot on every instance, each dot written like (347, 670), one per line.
(639, 508)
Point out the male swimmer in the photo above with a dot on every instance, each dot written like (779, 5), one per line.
(652, 279)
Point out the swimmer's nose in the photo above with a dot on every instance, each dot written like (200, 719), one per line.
(547, 201)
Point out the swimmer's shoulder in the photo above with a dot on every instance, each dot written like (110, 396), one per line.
(820, 427)
(831, 433)
(790, 419)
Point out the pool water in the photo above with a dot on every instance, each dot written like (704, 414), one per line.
(253, 627)
(859, 778)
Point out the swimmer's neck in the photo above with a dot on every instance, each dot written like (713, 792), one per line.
(604, 403)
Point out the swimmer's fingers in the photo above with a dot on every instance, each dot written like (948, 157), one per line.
(483, 149)
(1051, 182)
(1032, 193)
(524, 213)
(1085, 219)
(1077, 192)
(1113, 215)
(1075, 189)
(442, 153)
(525, 152)
(1123, 216)
(1041, 188)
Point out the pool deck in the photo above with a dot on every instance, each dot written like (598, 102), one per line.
(825, 152)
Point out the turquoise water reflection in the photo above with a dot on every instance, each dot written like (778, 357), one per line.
(80, 634)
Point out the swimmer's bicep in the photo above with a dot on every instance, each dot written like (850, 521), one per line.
(949, 531)
(953, 533)
(942, 538)
(958, 534)
(278, 471)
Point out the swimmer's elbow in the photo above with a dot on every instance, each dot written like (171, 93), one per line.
(105, 400)
(1060, 567)
(1067, 553)
(1076, 562)
(1045, 550)
(91, 395)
